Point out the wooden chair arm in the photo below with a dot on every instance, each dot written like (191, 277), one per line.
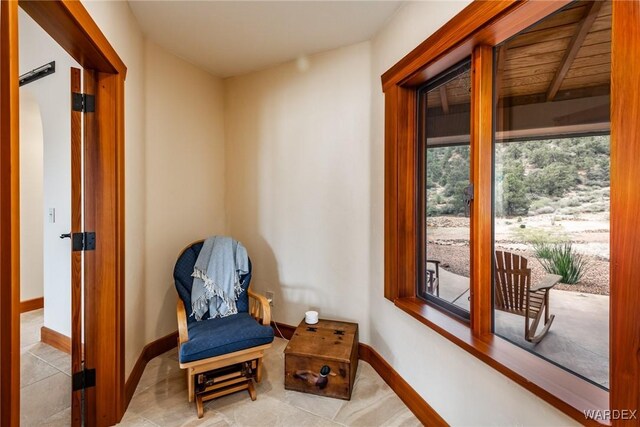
(259, 304)
(183, 331)
(547, 282)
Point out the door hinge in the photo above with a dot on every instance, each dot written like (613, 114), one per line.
(83, 102)
(83, 379)
(84, 241)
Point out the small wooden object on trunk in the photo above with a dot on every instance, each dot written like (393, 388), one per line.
(322, 359)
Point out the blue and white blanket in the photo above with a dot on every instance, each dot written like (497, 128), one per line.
(216, 283)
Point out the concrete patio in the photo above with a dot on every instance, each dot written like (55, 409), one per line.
(578, 339)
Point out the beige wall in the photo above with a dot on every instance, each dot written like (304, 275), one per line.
(297, 196)
(306, 192)
(185, 174)
(31, 197)
(174, 170)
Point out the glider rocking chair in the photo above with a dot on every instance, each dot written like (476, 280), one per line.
(515, 294)
(221, 355)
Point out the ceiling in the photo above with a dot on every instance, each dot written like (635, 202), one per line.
(536, 60)
(230, 38)
(551, 80)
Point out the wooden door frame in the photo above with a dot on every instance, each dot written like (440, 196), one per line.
(71, 26)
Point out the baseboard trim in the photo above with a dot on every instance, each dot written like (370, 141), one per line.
(151, 350)
(31, 304)
(55, 339)
(283, 331)
(420, 408)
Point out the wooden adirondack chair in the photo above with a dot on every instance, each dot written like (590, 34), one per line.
(514, 293)
(433, 278)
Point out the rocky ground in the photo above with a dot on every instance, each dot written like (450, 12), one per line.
(448, 242)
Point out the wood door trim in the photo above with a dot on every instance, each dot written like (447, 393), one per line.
(76, 256)
(9, 217)
(71, 26)
(89, 200)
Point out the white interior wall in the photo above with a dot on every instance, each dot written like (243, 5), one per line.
(53, 97)
(31, 197)
(297, 147)
(185, 173)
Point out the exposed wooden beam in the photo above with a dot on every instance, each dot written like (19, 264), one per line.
(574, 46)
(444, 100)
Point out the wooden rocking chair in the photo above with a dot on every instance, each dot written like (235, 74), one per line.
(514, 293)
(222, 355)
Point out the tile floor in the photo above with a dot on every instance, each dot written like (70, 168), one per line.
(45, 377)
(161, 396)
(161, 400)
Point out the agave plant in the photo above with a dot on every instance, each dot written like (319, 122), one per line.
(561, 259)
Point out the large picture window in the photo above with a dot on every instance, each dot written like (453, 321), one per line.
(512, 217)
(552, 188)
(444, 118)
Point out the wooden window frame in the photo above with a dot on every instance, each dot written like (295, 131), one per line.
(421, 150)
(474, 32)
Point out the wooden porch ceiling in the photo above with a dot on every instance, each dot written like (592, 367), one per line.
(565, 56)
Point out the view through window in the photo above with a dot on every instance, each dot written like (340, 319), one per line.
(445, 122)
(551, 189)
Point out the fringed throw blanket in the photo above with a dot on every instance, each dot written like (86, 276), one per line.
(216, 283)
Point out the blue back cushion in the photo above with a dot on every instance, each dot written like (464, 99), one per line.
(183, 280)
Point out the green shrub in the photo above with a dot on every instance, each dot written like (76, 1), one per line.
(569, 202)
(542, 202)
(561, 259)
(543, 250)
(545, 210)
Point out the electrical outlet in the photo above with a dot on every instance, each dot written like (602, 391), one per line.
(269, 295)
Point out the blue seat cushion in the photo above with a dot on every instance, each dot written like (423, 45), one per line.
(213, 337)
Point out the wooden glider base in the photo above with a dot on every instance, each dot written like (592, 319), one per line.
(220, 382)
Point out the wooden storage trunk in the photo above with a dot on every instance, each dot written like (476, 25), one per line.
(322, 359)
